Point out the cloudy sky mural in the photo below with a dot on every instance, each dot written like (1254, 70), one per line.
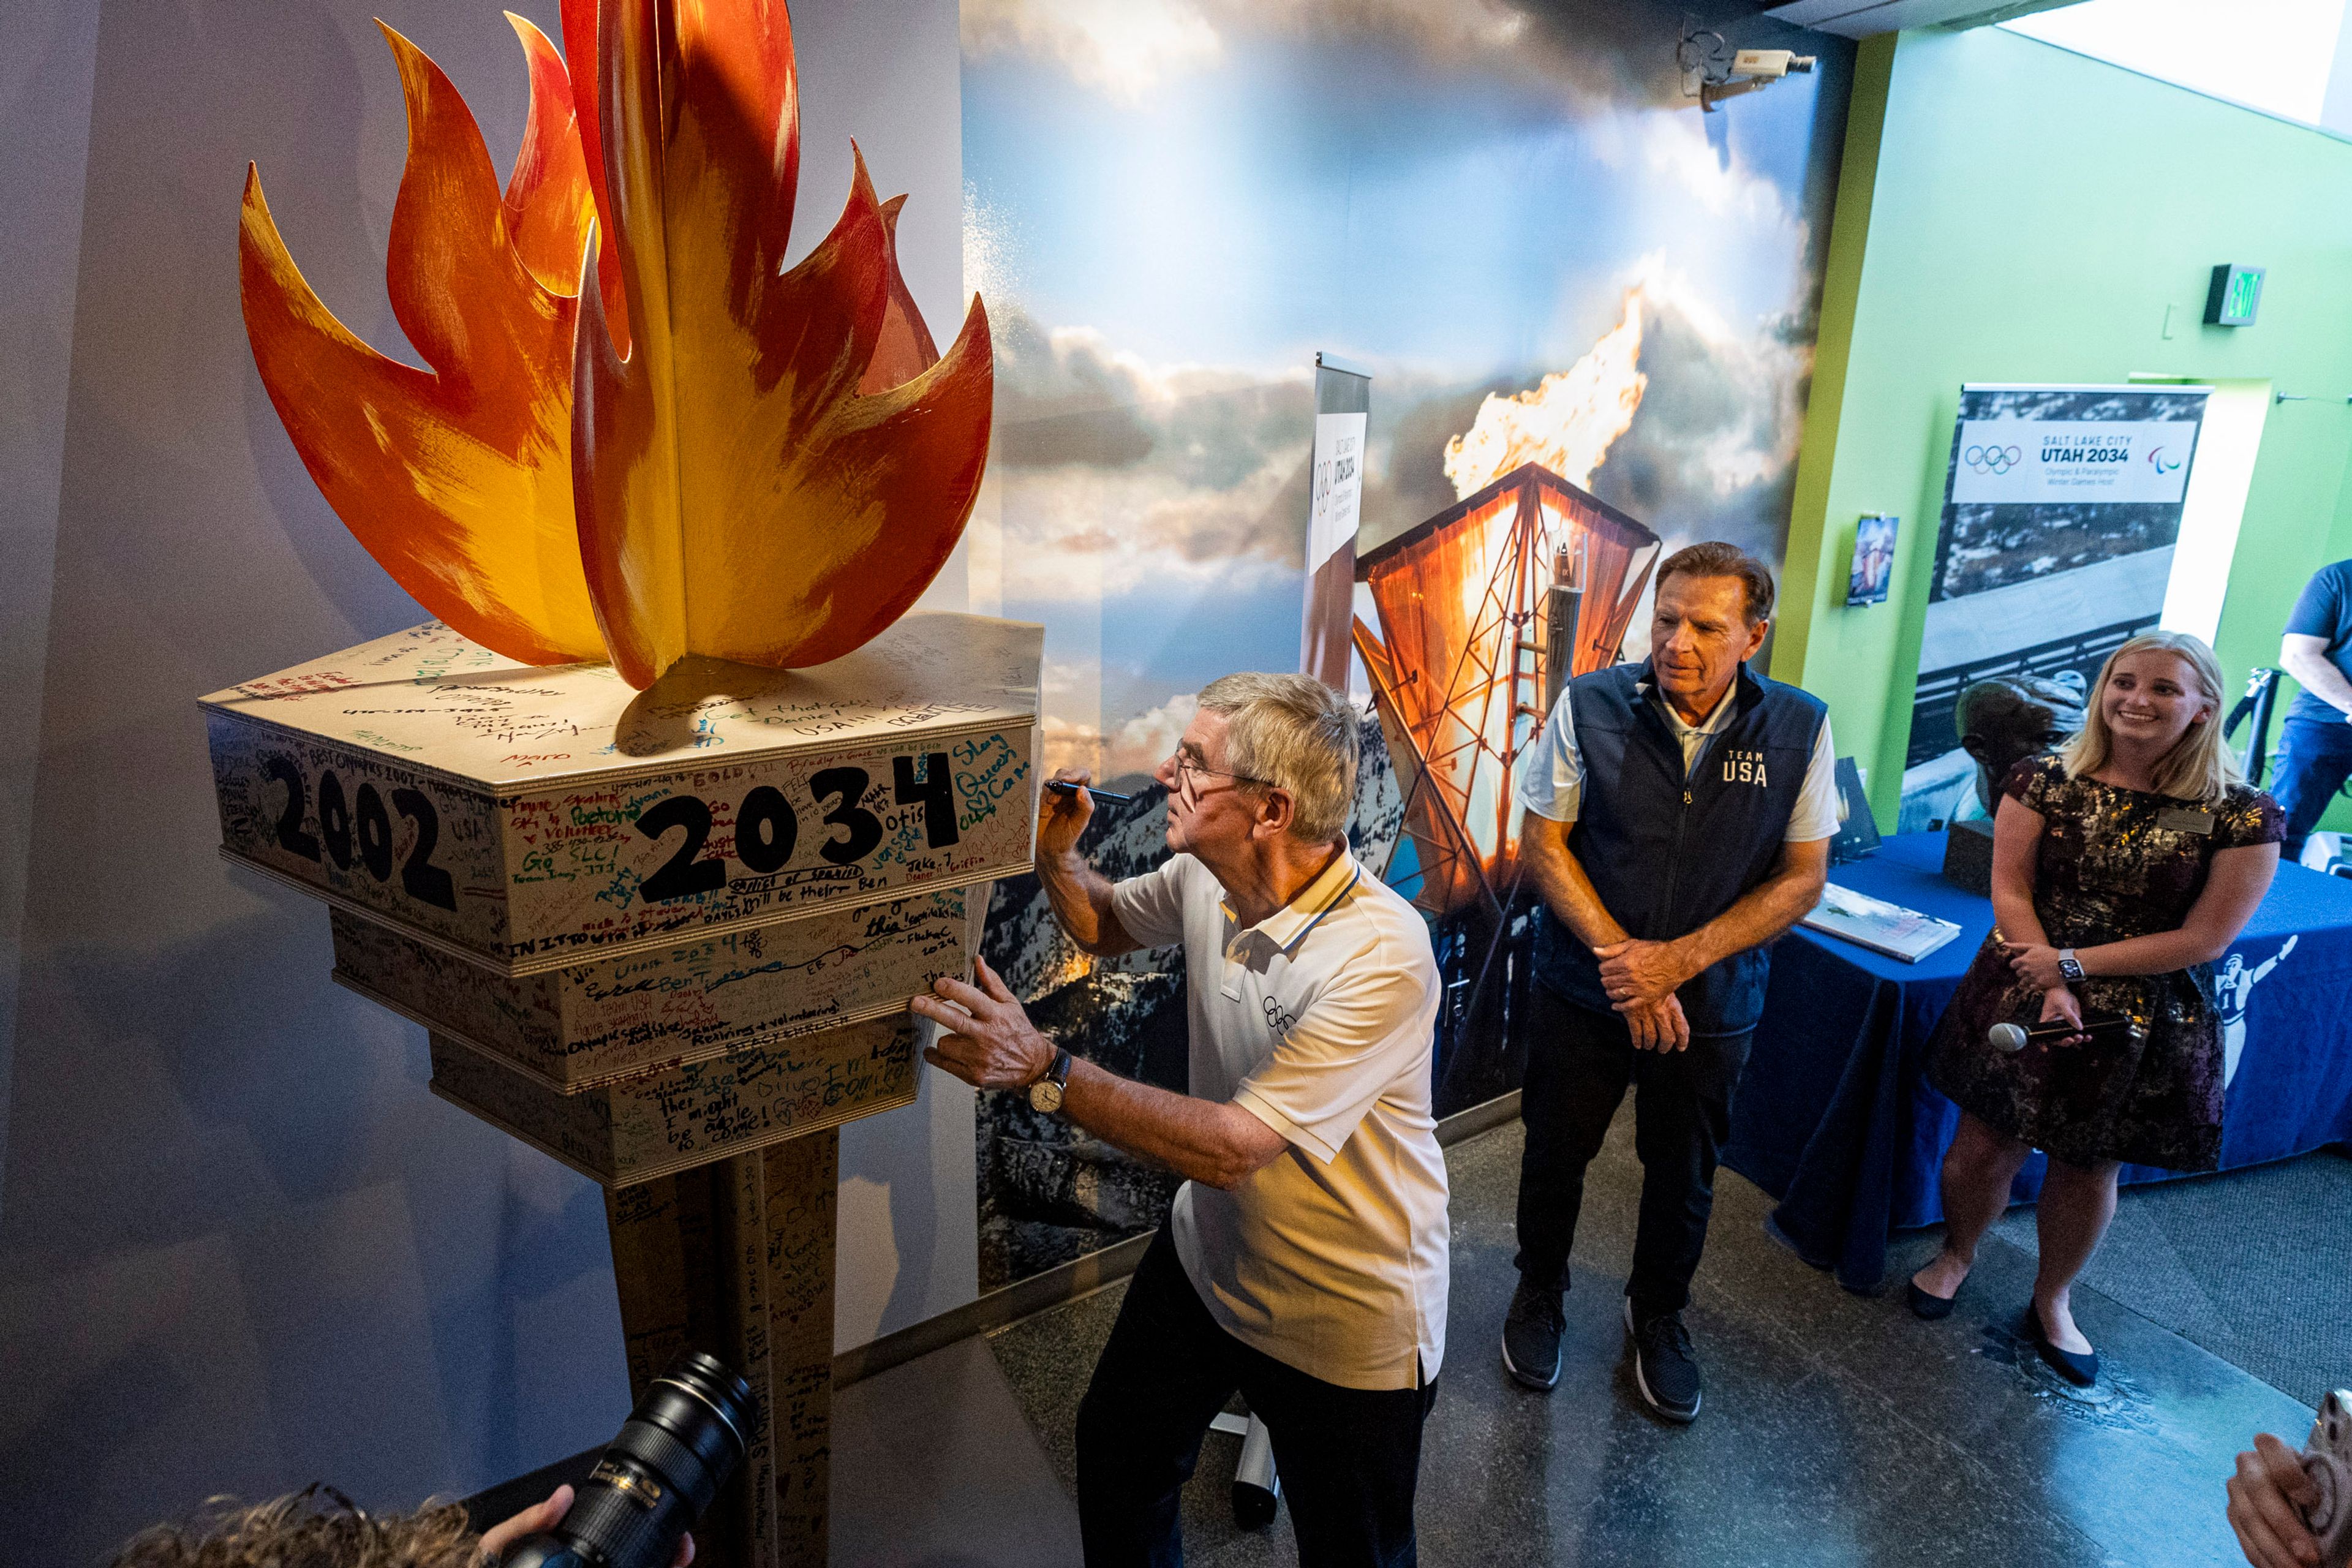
(1170, 205)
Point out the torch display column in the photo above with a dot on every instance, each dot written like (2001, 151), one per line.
(736, 1258)
(666, 937)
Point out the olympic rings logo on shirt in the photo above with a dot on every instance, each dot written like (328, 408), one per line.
(1993, 459)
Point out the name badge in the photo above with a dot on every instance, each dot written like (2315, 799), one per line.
(2183, 819)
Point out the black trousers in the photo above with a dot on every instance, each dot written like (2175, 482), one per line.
(1579, 1063)
(1348, 1457)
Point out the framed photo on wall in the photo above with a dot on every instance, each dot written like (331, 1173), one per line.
(1873, 559)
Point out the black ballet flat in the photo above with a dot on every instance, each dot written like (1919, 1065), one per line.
(2080, 1370)
(1933, 1309)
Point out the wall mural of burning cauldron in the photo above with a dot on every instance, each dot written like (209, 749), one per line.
(1508, 213)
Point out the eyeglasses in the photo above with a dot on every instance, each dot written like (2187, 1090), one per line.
(1187, 770)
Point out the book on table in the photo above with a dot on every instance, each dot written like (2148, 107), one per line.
(1878, 925)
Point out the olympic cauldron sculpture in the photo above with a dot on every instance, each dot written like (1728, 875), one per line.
(659, 822)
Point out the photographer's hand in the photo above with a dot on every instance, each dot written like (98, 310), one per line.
(2267, 1497)
(530, 1522)
(547, 1515)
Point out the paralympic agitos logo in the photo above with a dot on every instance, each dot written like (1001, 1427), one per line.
(1993, 459)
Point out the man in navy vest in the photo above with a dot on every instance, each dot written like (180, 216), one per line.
(1679, 817)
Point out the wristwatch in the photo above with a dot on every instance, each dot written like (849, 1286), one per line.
(2069, 967)
(1046, 1094)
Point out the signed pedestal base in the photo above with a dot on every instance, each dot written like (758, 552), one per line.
(639, 1128)
(665, 937)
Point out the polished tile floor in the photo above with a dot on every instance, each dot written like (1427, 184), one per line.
(1838, 1430)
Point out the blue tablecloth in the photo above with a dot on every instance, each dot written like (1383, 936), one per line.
(1834, 1116)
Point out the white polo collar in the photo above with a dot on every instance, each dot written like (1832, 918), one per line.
(1706, 726)
(1286, 925)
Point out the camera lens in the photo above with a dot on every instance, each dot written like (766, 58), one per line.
(655, 1479)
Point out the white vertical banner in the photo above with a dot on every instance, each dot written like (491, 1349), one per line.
(1333, 510)
(1339, 485)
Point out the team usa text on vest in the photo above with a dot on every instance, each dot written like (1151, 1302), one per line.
(1743, 767)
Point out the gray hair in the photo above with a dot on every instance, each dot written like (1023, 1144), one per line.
(1297, 735)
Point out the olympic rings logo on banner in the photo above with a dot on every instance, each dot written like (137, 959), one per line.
(1993, 459)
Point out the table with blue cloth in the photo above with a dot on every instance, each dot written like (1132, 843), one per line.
(1834, 1116)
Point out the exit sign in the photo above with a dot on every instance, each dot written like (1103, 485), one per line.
(2235, 291)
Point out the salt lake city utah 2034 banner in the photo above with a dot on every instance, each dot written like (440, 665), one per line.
(2062, 509)
(1588, 312)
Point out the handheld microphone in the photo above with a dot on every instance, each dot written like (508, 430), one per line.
(2015, 1038)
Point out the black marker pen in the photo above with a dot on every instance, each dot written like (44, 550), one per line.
(1066, 787)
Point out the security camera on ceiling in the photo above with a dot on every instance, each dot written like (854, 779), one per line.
(1713, 70)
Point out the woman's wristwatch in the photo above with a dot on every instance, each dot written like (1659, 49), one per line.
(1046, 1094)
(2070, 968)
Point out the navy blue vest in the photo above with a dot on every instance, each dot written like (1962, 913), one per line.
(1666, 853)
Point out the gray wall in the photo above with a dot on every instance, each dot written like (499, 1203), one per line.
(241, 1248)
(47, 49)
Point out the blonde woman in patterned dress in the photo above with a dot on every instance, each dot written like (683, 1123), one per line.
(2123, 869)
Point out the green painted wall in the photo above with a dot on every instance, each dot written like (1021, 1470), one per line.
(2011, 212)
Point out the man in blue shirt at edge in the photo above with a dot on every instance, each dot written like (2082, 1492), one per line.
(2314, 750)
(1679, 814)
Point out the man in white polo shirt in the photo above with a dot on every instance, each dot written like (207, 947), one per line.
(1303, 1262)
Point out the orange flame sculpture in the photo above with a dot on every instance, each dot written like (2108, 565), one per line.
(640, 436)
(1464, 602)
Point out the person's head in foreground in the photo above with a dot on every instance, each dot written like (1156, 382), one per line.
(1709, 615)
(2157, 702)
(316, 1527)
(319, 1527)
(1267, 765)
